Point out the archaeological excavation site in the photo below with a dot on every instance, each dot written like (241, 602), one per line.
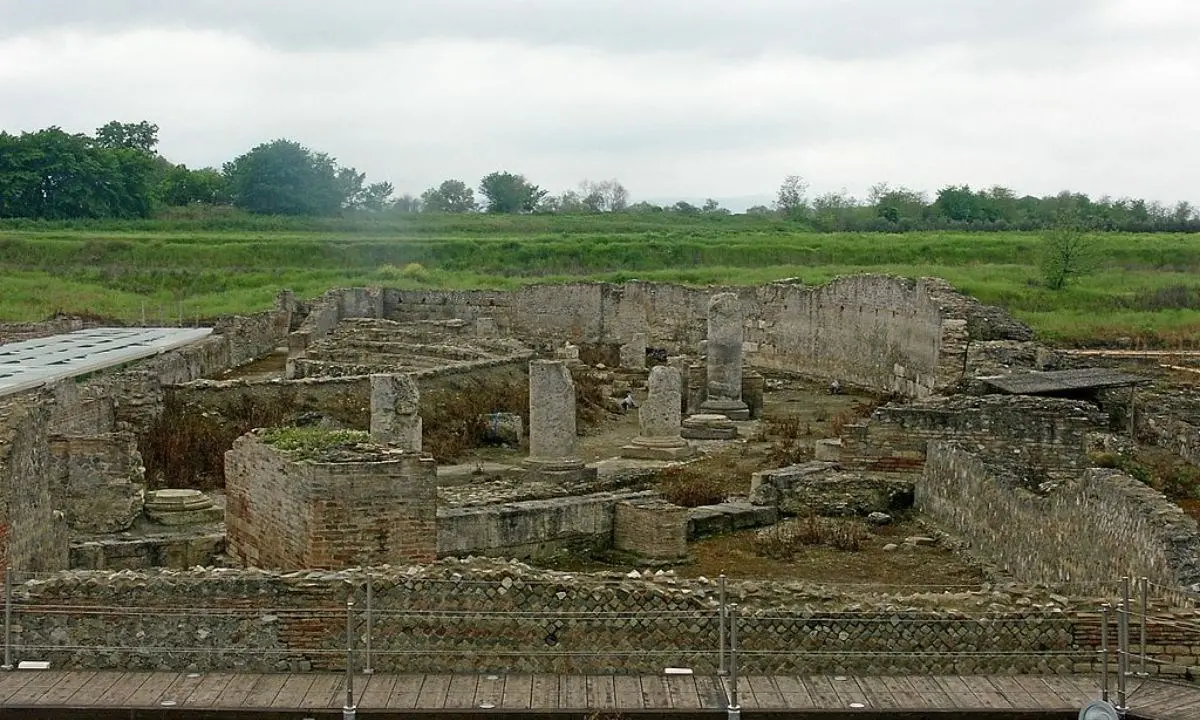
(874, 476)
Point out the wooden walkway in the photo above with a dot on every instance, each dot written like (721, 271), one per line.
(35, 693)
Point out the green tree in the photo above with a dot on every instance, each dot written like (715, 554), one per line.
(132, 136)
(1066, 252)
(603, 196)
(451, 196)
(791, 199)
(182, 186)
(52, 174)
(506, 192)
(406, 204)
(283, 177)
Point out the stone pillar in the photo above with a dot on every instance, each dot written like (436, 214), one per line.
(633, 353)
(552, 423)
(753, 386)
(396, 411)
(724, 392)
(659, 419)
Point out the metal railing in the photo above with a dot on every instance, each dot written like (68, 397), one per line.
(723, 638)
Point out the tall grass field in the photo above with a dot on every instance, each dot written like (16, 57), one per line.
(1137, 288)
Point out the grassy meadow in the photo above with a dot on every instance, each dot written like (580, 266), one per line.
(1142, 287)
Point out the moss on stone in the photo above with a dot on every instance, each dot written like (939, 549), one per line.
(312, 443)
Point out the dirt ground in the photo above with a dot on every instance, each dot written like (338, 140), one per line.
(804, 409)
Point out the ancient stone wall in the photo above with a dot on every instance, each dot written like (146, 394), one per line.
(42, 481)
(1098, 525)
(1169, 419)
(33, 531)
(288, 513)
(346, 399)
(1047, 435)
(530, 528)
(880, 332)
(499, 616)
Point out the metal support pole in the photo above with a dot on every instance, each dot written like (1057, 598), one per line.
(8, 663)
(722, 618)
(1104, 609)
(734, 711)
(349, 710)
(367, 668)
(1122, 654)
(1145, 585)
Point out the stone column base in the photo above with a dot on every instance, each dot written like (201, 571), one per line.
(654, 451)
(708, 427)
(732, 409)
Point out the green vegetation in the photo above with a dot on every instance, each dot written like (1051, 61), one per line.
(1139, 286)
(313, 443)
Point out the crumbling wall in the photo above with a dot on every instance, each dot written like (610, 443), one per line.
(33, 531)
(1047, 435)
(499, 616)
(1169, 419)
(289, 513)
(885, 333)
(324, 313)
(1100, 525)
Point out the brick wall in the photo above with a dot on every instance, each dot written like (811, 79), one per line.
(289, 514)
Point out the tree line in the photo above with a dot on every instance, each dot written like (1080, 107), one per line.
(117, 173)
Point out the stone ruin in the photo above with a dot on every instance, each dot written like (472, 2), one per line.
(381, 362)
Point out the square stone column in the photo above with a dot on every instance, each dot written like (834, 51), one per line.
(395, 411)
(552, 430)
(724, 392)
(659, 420)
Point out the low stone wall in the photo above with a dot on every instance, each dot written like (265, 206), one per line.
(530, 528)
(175, 550)
(1045, 434)
(1169, 419)
(497, 616)
(1099, 525)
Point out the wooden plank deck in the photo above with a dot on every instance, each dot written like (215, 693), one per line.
(522, 693)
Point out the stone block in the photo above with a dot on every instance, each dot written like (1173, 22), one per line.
(828, 449)
(708, 426)
(708, 520)
(651, 527)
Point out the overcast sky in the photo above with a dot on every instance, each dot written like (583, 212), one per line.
(675, 98)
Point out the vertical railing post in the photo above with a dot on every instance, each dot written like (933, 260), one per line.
(349, 710)
(8, 663)
(1145, 604)
(722, 617)
(1104, 651)
(734, 711)
(1122, 645)
(368, 668)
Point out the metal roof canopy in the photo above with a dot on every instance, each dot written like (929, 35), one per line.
(1061, 381)
(33, 363)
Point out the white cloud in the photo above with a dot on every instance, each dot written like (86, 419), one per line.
(1096, 102)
